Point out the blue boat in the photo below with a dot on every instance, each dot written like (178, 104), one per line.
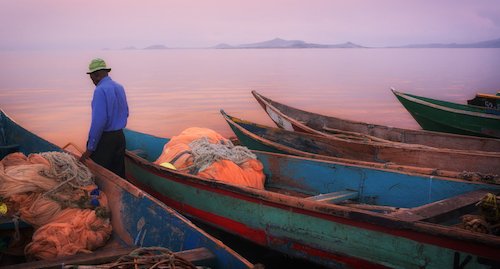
(138, 219)
(337, 215)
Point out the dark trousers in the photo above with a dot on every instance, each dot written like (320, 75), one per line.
(110, 152)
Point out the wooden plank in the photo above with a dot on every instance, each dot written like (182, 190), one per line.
(378, 208)
(443, 209)
(334, 197)
(196, 256)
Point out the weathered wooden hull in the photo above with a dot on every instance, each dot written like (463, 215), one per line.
(138, 219)
(419, 159)
(441, 116)
(294, 119)
(333, 235)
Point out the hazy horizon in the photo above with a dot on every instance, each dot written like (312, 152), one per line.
(117, 24)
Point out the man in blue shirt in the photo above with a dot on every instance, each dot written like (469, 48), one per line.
(106, 142)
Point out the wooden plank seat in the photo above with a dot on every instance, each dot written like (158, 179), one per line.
(444, 209)
(334, 197)
(196, 256)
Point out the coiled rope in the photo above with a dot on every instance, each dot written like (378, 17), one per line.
(67, 170)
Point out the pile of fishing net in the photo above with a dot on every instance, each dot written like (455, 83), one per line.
(206, 153)
(56, 194)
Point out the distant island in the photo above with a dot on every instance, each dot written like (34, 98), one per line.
(279, 43)
(495, 43)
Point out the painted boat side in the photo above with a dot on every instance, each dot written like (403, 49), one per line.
(444, 116)
(291, 118)
(490, 101)
(328, 234)
(138, 219)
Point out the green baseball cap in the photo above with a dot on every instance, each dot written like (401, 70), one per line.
(96, 65)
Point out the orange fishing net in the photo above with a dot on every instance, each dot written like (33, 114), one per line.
(62, 214)
(73, 231)
(179, 152)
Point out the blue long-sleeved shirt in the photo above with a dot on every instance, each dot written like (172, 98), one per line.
(109, 110)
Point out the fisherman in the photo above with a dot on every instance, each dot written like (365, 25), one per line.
(106, 141)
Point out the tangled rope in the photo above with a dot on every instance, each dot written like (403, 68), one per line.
(205, 153)
(67, 170)
(151, 257)
(489, 220)
(490, 208)
(476, 223)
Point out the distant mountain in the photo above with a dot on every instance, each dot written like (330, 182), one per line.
(281, 43)
(276, 43)
(156, 47)
(495, 43)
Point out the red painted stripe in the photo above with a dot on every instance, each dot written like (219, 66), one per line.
(458, 245)
(258, 236)
(353, 262)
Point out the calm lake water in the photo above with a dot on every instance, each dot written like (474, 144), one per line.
(170, 90)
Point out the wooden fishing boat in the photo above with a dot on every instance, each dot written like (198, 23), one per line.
(486, 100)
(138, 219)
(420, 159)
(442, 116)
(338, 215)
(293, 119)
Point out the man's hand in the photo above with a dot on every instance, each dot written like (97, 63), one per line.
(85, 156)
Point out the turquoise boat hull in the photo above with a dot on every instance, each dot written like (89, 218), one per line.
(138, 219)
(310, 209)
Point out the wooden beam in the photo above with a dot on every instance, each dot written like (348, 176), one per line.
(334, 197)
(196, 256)
(380, 208)
(443, 209)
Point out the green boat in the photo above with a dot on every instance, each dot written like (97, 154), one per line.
(442, 116)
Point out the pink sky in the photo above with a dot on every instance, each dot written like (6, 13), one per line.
(115, 24)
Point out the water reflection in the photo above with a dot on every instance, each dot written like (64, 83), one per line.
(171, 90)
